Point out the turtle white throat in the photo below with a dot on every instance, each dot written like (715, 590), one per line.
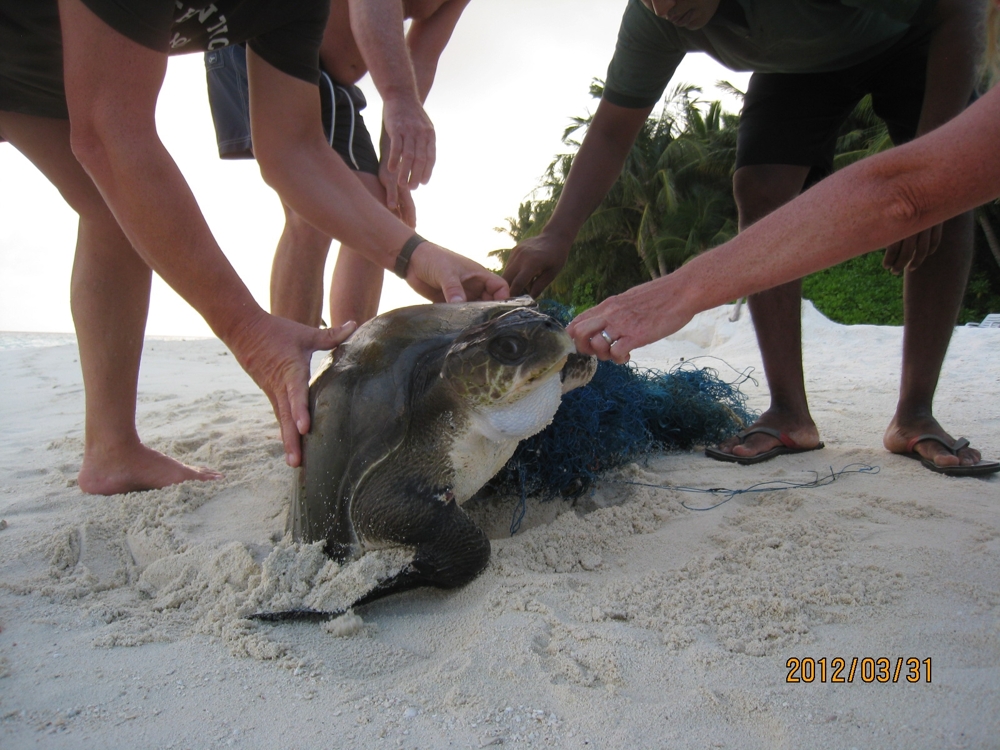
(492, 433)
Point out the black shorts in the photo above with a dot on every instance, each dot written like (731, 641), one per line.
(229, 97)
(794, 118)
(31, 62)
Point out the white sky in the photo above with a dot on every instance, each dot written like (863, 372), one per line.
(513, 76)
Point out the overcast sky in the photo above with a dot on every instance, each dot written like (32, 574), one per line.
(513, 75)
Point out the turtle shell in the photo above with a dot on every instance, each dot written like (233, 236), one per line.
(362, 406)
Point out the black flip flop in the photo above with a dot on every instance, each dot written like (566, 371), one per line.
(975, 470)
(787, 446)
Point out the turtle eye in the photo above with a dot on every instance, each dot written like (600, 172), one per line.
(509, 350)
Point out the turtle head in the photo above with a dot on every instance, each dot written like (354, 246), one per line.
(504, 360)
(506, 377)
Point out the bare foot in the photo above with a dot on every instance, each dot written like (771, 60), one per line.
(135, 469)
(801, 430)
(900, 432)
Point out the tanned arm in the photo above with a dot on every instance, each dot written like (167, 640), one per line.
(858, 209)
(297, 162)
(111, 88)
(535, 262)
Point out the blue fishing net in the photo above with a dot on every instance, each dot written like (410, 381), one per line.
(625, 412)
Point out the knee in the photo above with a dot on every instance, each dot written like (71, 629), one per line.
(89, 143)
(302, 238)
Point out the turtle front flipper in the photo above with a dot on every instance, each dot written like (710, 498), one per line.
(449, 548)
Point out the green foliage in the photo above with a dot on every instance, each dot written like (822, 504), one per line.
(857, 291)
(861, 291)
(673, 200)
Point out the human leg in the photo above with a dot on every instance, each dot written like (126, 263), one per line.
(932, 293)
(297, 274)
(297, 271)
(109, 299)
(932, 296)
(787, 135)
(356, 285)
(759, 190)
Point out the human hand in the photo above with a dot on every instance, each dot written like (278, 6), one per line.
(640, 316)
(275, 352)
(534, 263)
(405, 208)
(443, 276)
(412, 149)
(398, 199)
(909, 253)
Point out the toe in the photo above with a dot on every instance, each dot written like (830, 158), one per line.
(728, 446)
(754, 445)
(936, 452)
(969, 457)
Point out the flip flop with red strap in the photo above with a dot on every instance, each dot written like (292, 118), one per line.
(974, 470)
(787, 446)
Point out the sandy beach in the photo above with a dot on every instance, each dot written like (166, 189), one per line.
(627, 620)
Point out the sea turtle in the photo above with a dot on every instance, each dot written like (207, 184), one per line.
(411, 416)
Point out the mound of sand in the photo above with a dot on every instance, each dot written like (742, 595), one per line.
(624, 619)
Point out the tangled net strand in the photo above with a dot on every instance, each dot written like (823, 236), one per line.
(625, 412)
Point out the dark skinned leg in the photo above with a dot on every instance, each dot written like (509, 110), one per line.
(932, 298)
(759, 190)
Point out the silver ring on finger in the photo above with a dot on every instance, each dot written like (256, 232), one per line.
(607, 337)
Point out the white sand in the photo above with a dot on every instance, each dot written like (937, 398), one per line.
(627, 621)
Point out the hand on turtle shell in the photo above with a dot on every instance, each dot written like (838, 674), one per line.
(275, 352)
(443, 276)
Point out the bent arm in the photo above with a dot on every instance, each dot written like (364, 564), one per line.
(952, 61)
(535, 262)
(427, 39)
(313, 180)
(378, 31)
(858, 209)
(296, 160)
(403, 70)
(596, 166)
(111, 88)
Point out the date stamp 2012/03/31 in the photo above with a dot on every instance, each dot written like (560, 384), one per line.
(857, 669)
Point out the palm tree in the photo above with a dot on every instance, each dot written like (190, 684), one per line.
(672, 201)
